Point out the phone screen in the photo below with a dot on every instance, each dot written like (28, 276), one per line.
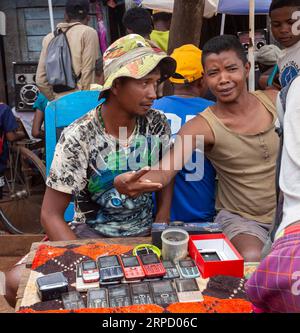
(97, 294)
(168, 264)
(119, 291)
(108, 261)
(130, 261)
(87, 265)
(140, 288)
(185, 285)
(162, 287)
(149, 259)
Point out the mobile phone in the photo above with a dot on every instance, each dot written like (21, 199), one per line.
(211, 255)
(51, 286)
(141, 293)
(152, 265)
(119, 295)
(90, 272)
(163, 292)
(171, 269)
(188, 290)
(97, 298)
(80, 285)
(132, 267)
(72, 300)
(110, 269)
(188, 268)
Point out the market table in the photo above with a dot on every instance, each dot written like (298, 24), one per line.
(221, 294)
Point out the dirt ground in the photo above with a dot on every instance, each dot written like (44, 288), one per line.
(12, 249)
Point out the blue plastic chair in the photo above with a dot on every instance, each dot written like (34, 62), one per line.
(58, 115)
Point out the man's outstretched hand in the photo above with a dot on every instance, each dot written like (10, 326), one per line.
(131, 184)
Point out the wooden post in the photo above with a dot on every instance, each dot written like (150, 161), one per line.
(186, 23)
(185, 28)
(252, 43)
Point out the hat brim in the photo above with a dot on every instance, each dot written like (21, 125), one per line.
(141, 67)
(186, 80)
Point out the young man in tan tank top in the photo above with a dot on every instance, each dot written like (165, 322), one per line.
(239, 139)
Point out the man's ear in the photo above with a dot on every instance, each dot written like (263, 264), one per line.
(200, 82)
(115, 86)
(202, 86)
(247, 68)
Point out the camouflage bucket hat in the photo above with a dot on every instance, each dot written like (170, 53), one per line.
(133, 56)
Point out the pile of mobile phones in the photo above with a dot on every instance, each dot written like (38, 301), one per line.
(162, 292)
(115, 281)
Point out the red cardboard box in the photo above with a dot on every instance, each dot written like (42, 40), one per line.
(218, 256)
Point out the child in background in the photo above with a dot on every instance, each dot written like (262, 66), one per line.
(160, 33)
(281, 12)
(39, 106)
(267, 58)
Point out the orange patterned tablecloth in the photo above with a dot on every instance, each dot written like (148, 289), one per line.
(221, 294)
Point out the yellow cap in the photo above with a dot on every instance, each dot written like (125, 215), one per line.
(189, 65)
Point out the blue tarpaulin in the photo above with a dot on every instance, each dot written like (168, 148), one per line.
(241, 7)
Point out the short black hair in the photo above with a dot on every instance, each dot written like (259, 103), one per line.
(224, 43)
(77, 9)
(162, 16)
(276, 4)
(138, 20)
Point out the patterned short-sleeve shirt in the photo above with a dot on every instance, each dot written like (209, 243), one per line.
(87, 160)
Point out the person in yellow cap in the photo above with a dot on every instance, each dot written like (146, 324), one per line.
(193, 201)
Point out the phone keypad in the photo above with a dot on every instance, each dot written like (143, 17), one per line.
(111, 274)
(120, 301)
(142, 299)
(172, 273)
(165, 299)
(98, 303)
(190, 272)
(153, 269)
(134, 272)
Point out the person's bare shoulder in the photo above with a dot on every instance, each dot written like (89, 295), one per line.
(198, 126)
(272, 94)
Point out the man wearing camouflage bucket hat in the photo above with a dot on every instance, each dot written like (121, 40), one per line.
(92, 151)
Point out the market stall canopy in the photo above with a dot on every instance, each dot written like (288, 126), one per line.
(241, 7)
(210, 8)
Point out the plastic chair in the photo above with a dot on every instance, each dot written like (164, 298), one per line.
(59, 114)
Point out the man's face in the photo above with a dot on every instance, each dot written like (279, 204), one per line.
(226, 75)
(281, 23)
(137, 96)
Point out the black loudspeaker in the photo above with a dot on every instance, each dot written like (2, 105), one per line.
(261, 39)
(26, 91)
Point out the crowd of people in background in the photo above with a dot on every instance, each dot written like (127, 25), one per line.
(238, 155)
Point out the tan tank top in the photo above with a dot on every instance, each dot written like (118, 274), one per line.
(245, 165)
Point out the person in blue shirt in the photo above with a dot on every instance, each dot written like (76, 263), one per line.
(39, 106)
(193, 201)
(8, 132)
